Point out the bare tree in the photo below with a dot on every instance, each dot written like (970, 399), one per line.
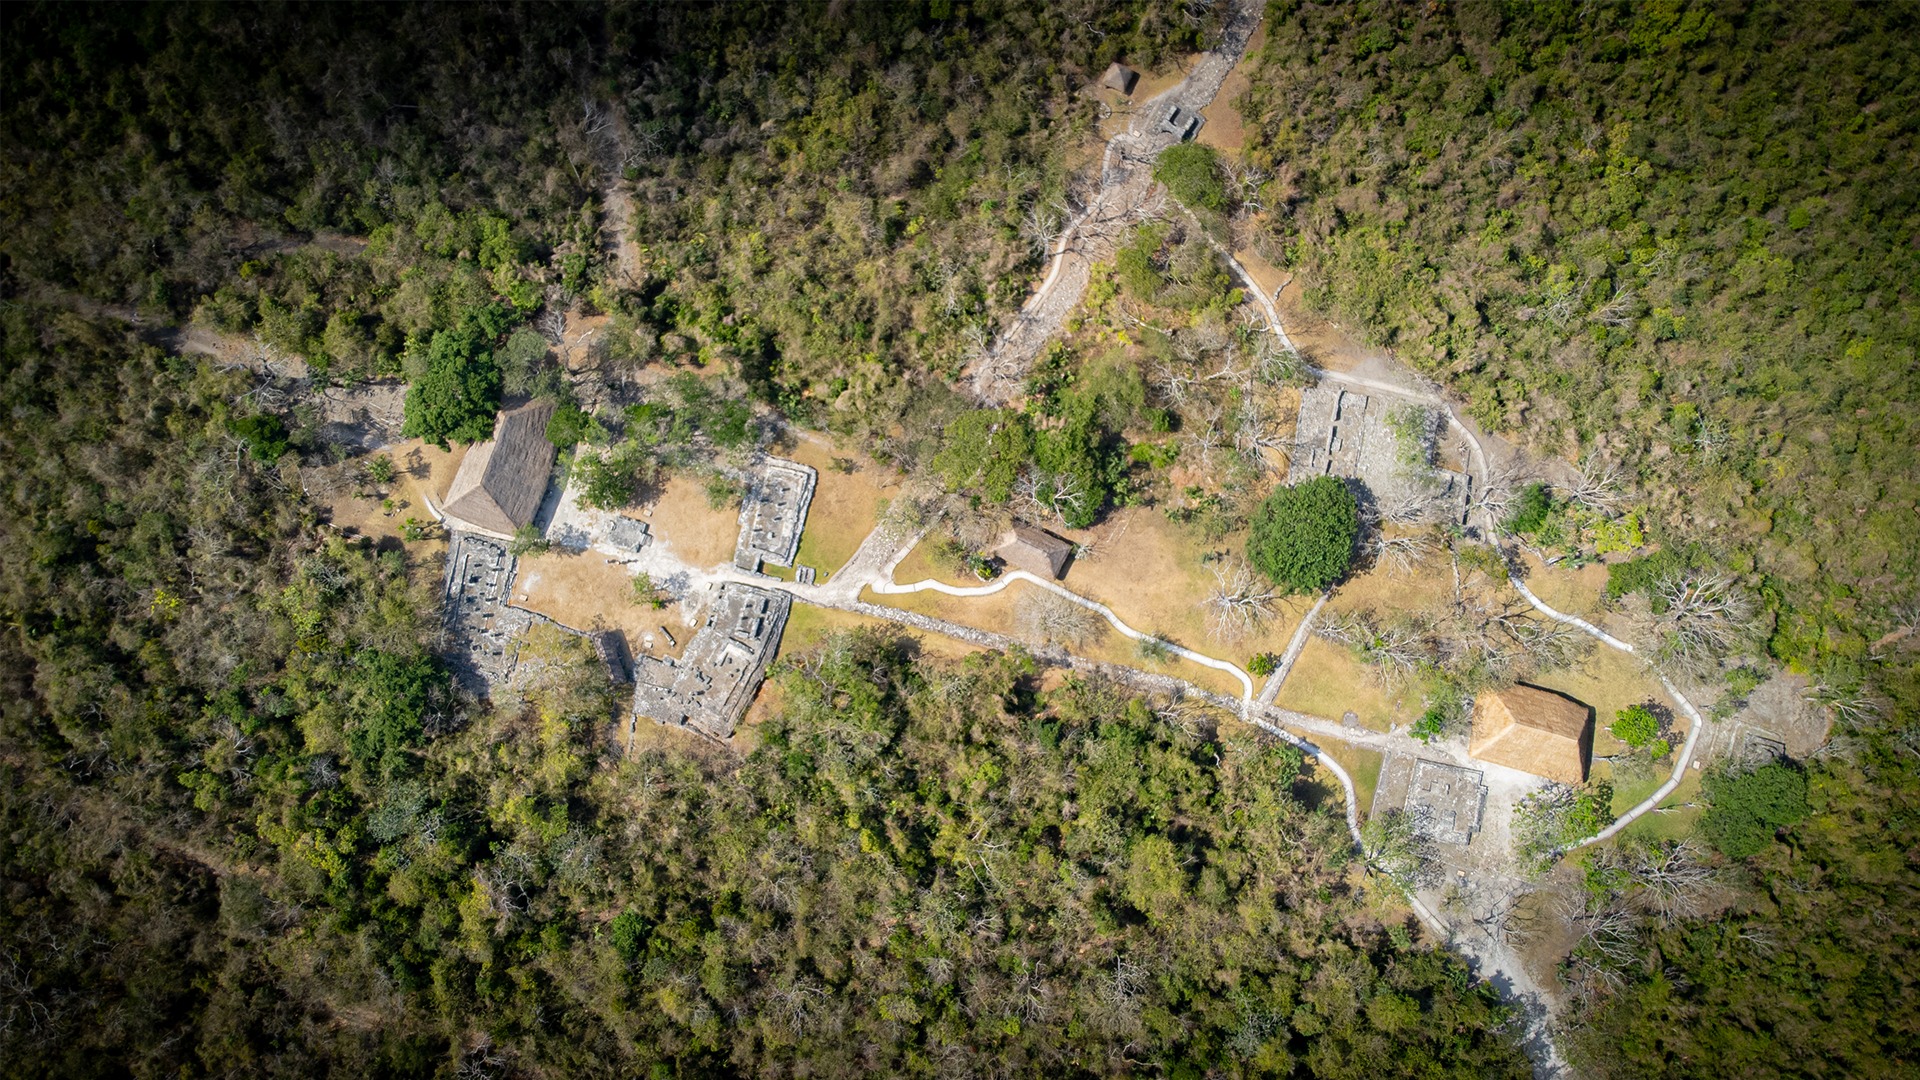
(1042, 494)
(1707, 616)
(1046, 616)
(1673, 880)
(1404, 553)
(1618, 311)
(1043, 226)
(1396, 650)
(1240, 602)
(1393, 845)
(1597, 484)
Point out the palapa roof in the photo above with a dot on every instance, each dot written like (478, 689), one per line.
(1119, 77)
(1036, 551)
(501, 481)
(1533, 730)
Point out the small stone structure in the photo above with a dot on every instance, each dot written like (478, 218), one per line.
(1181, 123)
(1445, 801)
(1034, 550)
(626, 533)
(1759, 748)
(1120, 77)
(1536, 731)
(485, 629)
(502, 481)
(1341, 433)
(710, 686)
(611, 647)
(773, 513)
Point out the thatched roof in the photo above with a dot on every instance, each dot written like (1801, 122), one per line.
(501, 481)
(1036, 551)
(1120, 77)
(1535, 731)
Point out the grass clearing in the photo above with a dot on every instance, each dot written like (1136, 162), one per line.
(680, 518)
(588, 591)
(1327, 681)
(1572, 592)
(422, 475)
(997, 613)
(1609, 681)
(1224, 128)
(845, 505)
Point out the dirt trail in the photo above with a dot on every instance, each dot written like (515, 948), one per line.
(1127, 195)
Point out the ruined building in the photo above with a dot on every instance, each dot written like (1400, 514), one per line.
(709, 687)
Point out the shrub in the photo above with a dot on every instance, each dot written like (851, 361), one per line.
(1263, 665)
(265, 436)
(1635, 725)
(1191, 172)
(1530, 510)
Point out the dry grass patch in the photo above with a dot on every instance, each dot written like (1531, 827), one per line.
(681, 520)
(998, 613)
(1224, 128)
(1573, 592)
(1148, 570)
(1327, 681)
(422, 474)
(590, 592)
(845, 506)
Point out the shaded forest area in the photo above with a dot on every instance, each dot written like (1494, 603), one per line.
(1682, 236)
(1681, 240)
(251, 827)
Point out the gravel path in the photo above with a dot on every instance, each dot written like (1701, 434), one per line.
(1127, 196)
(1299, 642)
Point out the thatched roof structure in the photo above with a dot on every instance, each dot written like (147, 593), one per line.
(1533, 730)
(1120, 77)
(501, 481)
(1036, 551)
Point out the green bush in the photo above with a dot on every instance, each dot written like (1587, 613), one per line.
(1192, 173)
(265, 436)
(1530, 511)
(1303, 536)
(1746, 808)
(1635, 725)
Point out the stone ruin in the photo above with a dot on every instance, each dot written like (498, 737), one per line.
(1341, 433)
(773, 511)
(1444, 801)
(484, 628)
(709, 687)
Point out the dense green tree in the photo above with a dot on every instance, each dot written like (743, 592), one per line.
(1744, 809)
(457, 393)
(1303, 535)
(1192, 174)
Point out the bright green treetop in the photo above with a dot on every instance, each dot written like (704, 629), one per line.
(1303, 535)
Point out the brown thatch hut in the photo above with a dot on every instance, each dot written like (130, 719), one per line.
(1036, 551)
(1533, 730)
(1120, 77)
(501, 481)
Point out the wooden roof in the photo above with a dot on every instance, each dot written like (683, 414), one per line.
(501, 481)
(1034, 550)
(1533, 730)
